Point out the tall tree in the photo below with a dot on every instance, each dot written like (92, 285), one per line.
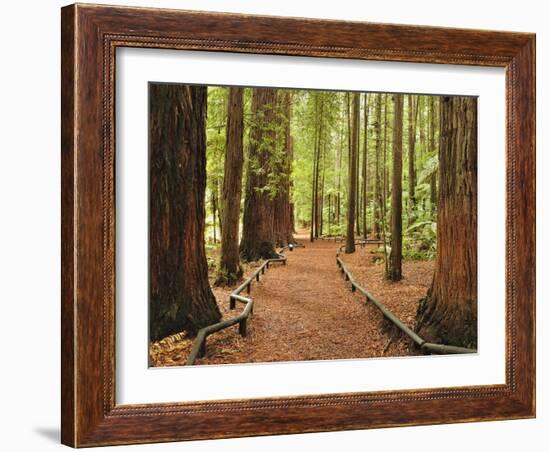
(354, 150)
(385, 182)
(378, 169)
(314, 231)
(282, 225)
(214, 206)
(412, 105)
(219, 195)
(180, 295)
(257, 241)
(448, 314)
(230, 270)
(321, 198)
(358, 182)
(386, 170)
(396, 198)
(364, 197)
(338, 169)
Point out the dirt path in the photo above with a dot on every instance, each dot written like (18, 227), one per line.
(305, 311)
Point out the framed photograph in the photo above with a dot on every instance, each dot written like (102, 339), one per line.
(280, 225)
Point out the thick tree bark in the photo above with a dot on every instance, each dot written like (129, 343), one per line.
(396, 198)
(230, 270)
(354, 150)
(180, 295)
(283, 229)
(448, 314)
(257, 241)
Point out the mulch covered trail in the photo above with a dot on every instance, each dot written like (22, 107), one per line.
(306, 311)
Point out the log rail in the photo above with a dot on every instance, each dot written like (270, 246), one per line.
(198, 350)
(428, 347)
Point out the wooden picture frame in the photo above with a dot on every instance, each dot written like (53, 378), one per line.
(90, 36)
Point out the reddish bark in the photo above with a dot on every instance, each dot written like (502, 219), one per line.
(230, 270)
(180, 295)
(257, 241)
(354, 150)
(282, 222)
(448, 314)
(396, 254)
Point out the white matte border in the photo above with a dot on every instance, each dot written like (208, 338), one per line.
(136, 383)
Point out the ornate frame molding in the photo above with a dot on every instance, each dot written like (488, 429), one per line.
(90, 36)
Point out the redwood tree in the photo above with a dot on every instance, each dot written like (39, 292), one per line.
(230, 269)
(282, 222)
(448, 313)
(352, 192)
(257, 241)
(180, 296)
(394, 269)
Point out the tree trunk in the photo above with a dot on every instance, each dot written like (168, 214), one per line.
(180, 297)
(313, 231)
(377, 178)
(322, 196)
(358, 183)
(354, 150)
(339, 174)
(365, 161)
(230, 270)
(396, 186)
(386, 189)
(292, 220)
(329, 199)
(413, 108)
(257, 240)
(448, 314)
(282, 218)
(214, 211)
(318, 171)
(219, 194)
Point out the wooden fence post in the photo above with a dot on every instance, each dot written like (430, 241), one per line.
(242, 327)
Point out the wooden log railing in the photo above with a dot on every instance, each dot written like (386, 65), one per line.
(198, 349)
(429, 347)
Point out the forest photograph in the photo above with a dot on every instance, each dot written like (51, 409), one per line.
(297, 225)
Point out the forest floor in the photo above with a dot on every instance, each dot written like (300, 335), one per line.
(306, 311)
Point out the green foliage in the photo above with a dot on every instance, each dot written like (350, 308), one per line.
(212, 251)
(420, 240)
(429, 168)
(215, 133)
(319, 119)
